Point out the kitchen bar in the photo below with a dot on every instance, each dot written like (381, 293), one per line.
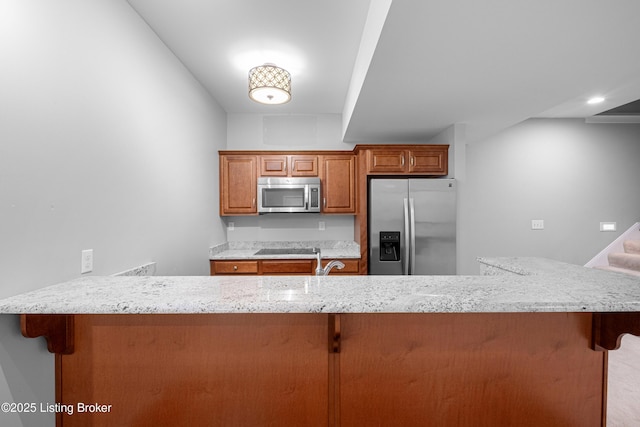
(521, 344)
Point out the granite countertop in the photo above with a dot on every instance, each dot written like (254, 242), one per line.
(247, 250)
(509, 285)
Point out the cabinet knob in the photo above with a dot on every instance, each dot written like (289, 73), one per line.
(235, 268)
(402, 160)
(413, 161)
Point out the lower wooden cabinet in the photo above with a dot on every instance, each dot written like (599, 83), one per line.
(274, 267)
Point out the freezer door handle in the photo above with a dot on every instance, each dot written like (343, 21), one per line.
(405, 255)
(412, 237)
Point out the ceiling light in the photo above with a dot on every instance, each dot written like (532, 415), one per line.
(595, 100)
(269, 84)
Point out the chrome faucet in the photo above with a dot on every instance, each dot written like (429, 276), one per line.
(325, 271)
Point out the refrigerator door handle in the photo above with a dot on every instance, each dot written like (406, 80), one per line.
(412, 231)
(405, 255)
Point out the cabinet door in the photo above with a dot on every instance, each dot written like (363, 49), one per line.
(273, 165)
(238, 185)
(387, 161)
(432, 161)
(339, 184)
(304, 165)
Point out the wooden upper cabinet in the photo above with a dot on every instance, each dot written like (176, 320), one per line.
(289, 165)
(338, 179)
(303, 165)
(273, 165)
(422, 160)
(387, 161)
(238, 184)
(431, 161)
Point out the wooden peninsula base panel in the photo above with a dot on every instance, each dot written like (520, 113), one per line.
(490, 369)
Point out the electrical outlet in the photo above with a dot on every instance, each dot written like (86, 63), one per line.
(537, 224)
(87, 261)
(321, 225)
(231, 226)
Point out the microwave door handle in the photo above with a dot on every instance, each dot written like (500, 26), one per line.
(306, 197)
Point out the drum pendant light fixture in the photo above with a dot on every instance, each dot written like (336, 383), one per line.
(269, 84)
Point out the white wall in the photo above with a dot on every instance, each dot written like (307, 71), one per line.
(285, 132)
(570, 174)
(107, 143)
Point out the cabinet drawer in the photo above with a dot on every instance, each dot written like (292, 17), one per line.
(234, 267)
(303, 266)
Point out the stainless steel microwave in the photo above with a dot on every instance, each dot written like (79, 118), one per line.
(288, 195)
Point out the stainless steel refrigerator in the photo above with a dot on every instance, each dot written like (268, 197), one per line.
(412, 226)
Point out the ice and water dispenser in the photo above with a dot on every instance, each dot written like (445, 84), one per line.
(389, 246)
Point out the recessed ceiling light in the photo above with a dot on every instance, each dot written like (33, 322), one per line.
(595, 100)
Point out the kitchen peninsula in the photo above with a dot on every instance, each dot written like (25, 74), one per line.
(523, 344)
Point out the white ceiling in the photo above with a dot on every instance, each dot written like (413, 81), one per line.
(485, 64)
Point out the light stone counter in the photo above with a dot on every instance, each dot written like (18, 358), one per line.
(247, 250)
(524, 285)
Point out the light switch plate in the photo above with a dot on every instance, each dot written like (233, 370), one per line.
(608, 226)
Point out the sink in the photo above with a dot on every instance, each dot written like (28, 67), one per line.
(285, 251)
